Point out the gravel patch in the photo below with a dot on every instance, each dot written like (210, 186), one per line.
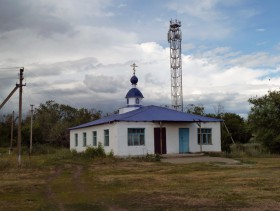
(200, 159)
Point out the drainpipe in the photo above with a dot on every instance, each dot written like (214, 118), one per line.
(160, 136)
(200, 136)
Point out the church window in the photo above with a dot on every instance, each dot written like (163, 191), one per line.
(127, 101)
(84, 139)
(76, 139)
(94, 138)
(135, 136)
(205, 134)
(106, 137)
(137, 100)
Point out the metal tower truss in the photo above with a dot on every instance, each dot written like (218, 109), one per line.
(174, 38)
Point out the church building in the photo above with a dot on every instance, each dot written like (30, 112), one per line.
(137, 130)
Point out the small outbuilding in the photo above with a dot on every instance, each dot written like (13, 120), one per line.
(138, 130)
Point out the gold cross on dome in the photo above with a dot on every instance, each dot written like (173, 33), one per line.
(133, 65)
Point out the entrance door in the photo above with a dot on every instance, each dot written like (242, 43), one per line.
(160, 148)
(183, 140)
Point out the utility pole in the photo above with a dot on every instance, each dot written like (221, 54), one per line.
(9, 96)
(31, 125)
(229, 133)
(12, 133)
(20, 85)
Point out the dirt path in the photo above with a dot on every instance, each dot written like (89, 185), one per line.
(200, 159)
(77, 178)
(50, 194)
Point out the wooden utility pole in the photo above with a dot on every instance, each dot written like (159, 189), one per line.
(31, 126)
(9, 96)
(12, 133)
(229, 133)
(20, 85)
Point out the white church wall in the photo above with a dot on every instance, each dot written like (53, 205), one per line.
(118, 140)
(172, 136)
(124, 149)
(216, 137)
(100, 137)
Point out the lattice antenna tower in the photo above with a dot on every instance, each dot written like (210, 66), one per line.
(174, 38)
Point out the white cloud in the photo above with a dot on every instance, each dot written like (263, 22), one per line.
(254, 60)
(80, 52)
(204, 19)
(204, 10)
(103, 83)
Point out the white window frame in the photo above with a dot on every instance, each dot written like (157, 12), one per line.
(206, 136)
(106, 137)
(94, 138)
(136, 136)
(76, 139)
(84, 139)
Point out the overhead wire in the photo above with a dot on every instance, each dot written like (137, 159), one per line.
(29, 91)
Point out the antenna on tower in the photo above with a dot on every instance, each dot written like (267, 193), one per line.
(174, 37)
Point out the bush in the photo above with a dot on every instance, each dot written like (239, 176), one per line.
(4, 151)
(111, 154)
(92, 152)
(42, 149)
(248, 150)
(152, 157)
(5, 164)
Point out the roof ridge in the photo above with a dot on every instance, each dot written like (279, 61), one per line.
(135, 112)
(196, 115)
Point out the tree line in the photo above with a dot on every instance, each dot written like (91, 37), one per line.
(50, 124)
(262, 125)
(52, 120)
(235, 129)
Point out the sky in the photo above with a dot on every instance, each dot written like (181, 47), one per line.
(79, 52)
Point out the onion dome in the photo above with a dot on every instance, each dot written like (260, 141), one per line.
(134, 80)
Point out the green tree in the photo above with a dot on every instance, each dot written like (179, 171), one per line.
(5, 130)
(238, 129)
(52, 120)
(264, 120)
(194, 109)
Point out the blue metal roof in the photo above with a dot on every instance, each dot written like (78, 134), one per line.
(150, 114)
(134, 92)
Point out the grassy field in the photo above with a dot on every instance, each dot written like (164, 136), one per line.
(60, 182)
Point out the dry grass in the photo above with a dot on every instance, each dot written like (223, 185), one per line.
(49, 183)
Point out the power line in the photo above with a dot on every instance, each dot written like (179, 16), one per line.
(10, 67)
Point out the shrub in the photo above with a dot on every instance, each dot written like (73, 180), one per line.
(152, 157)
(100, 150)
(111, 154)
(42, 149)
(94, 152)
(248, 150)
(5, 164)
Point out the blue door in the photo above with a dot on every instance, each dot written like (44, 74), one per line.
(183, 140)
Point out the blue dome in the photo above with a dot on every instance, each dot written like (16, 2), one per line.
(134, 80)
(134, 92)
